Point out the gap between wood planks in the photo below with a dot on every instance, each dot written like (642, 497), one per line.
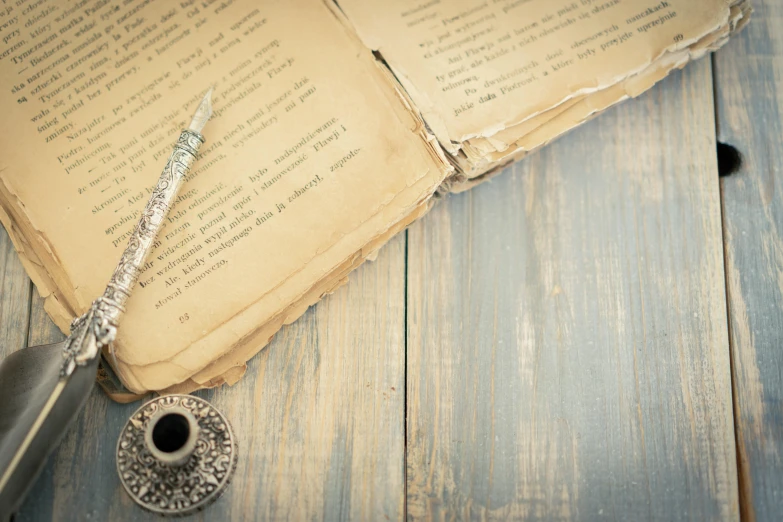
(405, 387)
(729, 162)
(29, 314)
(734, 403)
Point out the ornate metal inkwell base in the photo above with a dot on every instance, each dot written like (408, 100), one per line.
(176, 455)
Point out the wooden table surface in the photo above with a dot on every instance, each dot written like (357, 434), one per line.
(596, 334)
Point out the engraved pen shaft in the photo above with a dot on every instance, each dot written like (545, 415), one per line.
(98, 327)
(152, 217)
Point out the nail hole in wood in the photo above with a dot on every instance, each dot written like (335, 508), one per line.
(729, 159)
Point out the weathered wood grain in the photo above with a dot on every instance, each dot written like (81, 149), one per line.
(319, 417)
(14, 298)
(749, 96)
(568, 353)
(41, 329)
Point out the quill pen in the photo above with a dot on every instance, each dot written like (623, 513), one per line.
(44, 387)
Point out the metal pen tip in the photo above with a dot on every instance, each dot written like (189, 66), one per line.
(203, 112)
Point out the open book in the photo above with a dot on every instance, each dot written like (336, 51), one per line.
(334, 127)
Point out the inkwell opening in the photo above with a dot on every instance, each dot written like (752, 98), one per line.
(171, 436)
(171, 432)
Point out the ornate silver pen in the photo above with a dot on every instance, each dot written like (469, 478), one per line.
(98, 327)
(42, 392)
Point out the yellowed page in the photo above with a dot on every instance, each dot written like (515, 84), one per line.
(230, 342)
(310, 156)
(542, 128)
(476, 67)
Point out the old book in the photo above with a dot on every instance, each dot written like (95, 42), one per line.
(334, 127)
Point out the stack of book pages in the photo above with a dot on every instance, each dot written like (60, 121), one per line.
(335, 124)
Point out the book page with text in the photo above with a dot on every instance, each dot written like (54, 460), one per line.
(310, 156)
(477, 67)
